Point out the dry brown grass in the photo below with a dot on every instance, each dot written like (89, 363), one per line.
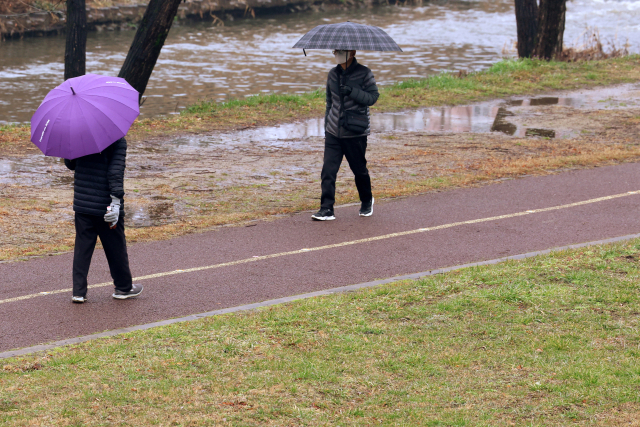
(592, 47)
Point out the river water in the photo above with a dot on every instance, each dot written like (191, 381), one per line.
(202, 61)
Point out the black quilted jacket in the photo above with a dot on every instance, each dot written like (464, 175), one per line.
(97, 177)
(364, 94)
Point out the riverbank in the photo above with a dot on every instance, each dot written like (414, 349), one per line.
(505, 78)
(184, 175)
(110, 15)
(550, 340)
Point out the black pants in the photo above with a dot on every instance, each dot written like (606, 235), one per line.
(354, 150)
(88, 228)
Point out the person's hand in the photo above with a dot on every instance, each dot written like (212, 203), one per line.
(113, 213)
(345, 90)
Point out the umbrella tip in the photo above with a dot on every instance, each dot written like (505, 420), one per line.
(74, 92)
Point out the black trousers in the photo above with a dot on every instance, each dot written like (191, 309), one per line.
(88, 228)
(354, 150)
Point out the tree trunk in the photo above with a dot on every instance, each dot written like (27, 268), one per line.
(551, 16)
(75, 53)
(148, 42)
(527, 22)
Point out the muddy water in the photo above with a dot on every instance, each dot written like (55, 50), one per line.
(245, 57)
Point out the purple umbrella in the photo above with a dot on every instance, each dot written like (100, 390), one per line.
(84, 115)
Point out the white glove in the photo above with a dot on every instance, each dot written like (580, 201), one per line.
(113, 211)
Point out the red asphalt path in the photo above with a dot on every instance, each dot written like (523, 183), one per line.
(47, 318)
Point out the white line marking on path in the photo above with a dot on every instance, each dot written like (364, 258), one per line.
(339, 245)
(278, 301)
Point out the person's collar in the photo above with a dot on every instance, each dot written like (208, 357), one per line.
(349, 68)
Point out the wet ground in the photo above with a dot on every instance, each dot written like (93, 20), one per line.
(204, 61)
(269, 169)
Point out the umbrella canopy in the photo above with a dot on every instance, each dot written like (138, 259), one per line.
(84, 115)
(347, 36)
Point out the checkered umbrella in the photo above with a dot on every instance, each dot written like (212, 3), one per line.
(347, 36)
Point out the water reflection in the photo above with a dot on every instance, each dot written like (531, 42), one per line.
(156, 214)
(29, 170)
(245, 57)
(500, 123)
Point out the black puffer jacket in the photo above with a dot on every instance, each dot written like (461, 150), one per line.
(97, 177)
(364, 94)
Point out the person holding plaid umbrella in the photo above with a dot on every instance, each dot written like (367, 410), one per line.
(351, 90)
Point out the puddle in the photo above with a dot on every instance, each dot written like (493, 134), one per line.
(156, 214)
(477, 118)
(30, 170)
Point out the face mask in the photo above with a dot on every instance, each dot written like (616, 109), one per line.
(341, 56)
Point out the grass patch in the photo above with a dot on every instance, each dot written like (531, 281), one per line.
(546, 341)
(261, 100)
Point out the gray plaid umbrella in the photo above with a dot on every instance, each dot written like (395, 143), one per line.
(347, 36)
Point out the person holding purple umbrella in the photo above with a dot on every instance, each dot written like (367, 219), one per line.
(84, 120)
(98, 193)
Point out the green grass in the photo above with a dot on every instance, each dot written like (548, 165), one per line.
(442, 81)
(551, 340)
(505, 77)
(208, 107)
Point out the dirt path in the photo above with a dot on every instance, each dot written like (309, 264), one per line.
(194, 183)
(239, 265)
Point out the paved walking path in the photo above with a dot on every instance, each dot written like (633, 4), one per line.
(232, 266)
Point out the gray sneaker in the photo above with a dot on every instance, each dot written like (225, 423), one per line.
(78, 300)
(134, 292)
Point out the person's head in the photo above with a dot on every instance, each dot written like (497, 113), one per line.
(344, 57)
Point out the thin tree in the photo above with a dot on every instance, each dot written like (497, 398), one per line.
(148, 42)
(527, 23)
(551, 17)
(75, 53)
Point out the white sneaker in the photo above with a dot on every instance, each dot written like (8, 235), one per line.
(324, 214)
(78, 300)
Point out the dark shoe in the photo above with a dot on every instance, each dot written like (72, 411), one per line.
(324, 214)
(78, 300)
(366, 209)
(134, 292)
